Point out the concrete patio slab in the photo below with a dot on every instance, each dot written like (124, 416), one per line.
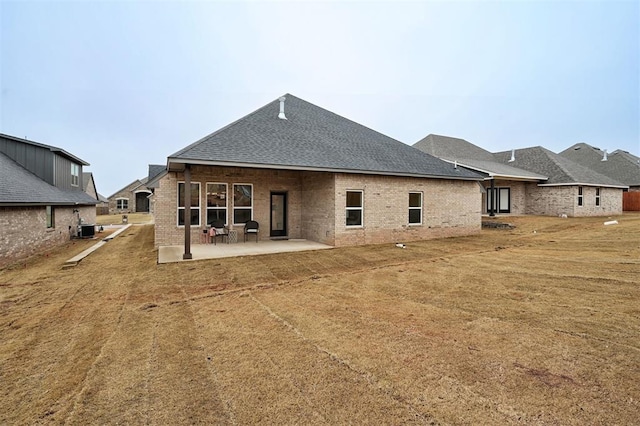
(169, 254)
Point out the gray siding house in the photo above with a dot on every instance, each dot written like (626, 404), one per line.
(42, 202)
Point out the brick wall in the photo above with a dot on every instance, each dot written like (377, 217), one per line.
(517, 194)
(318, 214)
(450, 208)
(559, 200)
(24, 232)
(263, 181)
(129, 193)
(316, 205)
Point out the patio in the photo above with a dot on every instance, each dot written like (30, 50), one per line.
(170, 254)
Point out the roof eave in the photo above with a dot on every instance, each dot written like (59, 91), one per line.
(600, 185)
(181, 162)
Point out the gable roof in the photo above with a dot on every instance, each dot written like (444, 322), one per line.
(51, 148)
(86, 177)
(156, 171)
(620, 165)
(132, 186)
(452, 149)
(473, 157)
(559, 170)
(19, 187)
(311, 138)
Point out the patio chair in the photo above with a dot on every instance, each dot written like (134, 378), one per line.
(251, 228)
(218, 230)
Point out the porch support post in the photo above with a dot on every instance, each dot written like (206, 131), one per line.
(492, 199)
(187, 213)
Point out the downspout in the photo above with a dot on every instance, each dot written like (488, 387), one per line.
(187, 213)
(492, 201)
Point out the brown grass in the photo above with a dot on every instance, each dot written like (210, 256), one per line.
(116, 219)
(508, 327)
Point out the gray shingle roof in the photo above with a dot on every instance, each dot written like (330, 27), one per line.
(311, 138)
(18, 186)
(471, 156)
(558, 169)
(452, 149)
(620, 165)
(156, 171)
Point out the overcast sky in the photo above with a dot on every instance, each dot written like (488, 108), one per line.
(122, 84)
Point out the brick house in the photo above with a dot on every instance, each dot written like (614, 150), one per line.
(42, 203)
(619, 165)
(570, 188)
(133, 198)
(532, 181)
(304, 172)
(504, 186)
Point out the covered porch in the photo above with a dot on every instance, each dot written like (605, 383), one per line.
(171, 254)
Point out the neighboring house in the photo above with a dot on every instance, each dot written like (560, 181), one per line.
(304, 172)
(156, 172)
(102, 208)
(42, 203)
(619, 165)
(531, 181)
(89, 185)
(570, 189)
(133, 198)
(504, 186)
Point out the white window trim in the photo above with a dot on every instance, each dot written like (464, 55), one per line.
(598, 197)
(361, 208)
(416, 208)
(580, 197)
(233, 210)
(226, 207)
(185, 201)
(75, 175)
(120, 199)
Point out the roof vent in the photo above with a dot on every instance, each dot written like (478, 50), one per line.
(513, 156)
(455, 164)
(281, 115)
(604, 157)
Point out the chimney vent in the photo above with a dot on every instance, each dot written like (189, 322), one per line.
(281, 115)
(513, 156)
(604, 157)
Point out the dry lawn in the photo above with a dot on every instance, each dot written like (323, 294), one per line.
(508, 327)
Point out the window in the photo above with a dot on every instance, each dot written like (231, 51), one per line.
(415, 208)
(354, 208)
(194, 197)
(242, 203)
(579, 196)
(51, 219)
(216, 202)
(597, 197)
(75, 175)
(122, 203)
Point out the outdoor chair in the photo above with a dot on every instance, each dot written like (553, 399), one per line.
(251, 228)
(218, 229)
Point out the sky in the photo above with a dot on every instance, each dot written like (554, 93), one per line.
(125, 84)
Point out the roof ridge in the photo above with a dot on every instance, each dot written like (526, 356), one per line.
(228, 126)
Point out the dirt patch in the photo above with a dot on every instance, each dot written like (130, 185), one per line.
(537, 324)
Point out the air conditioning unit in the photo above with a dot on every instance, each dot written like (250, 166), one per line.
(87, 231)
